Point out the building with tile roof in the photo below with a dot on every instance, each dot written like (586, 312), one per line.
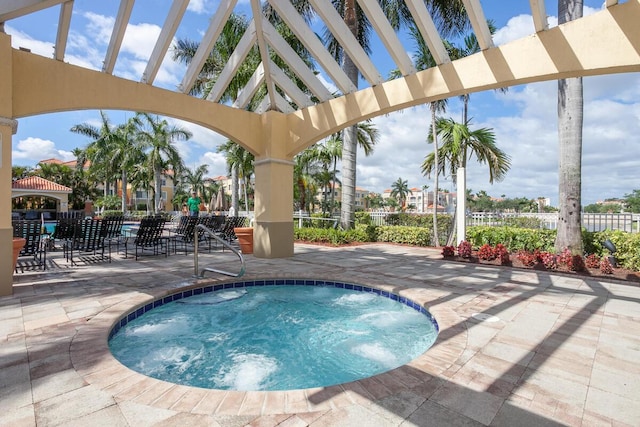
(29, 194)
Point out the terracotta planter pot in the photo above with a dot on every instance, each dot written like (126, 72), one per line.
(245, 239)
(18, 244)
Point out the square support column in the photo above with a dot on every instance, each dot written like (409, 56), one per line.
(273, 223)
(8, 127)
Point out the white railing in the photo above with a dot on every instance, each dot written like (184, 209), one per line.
(629, 222)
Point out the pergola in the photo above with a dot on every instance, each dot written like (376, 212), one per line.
(289, 120)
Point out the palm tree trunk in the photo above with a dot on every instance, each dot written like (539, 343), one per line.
(436, 240)
(124, 191)
(234, 189)
(157, 179)
(570, 117)
(350, 140)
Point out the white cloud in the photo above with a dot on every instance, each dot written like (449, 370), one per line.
(30, 151)
(199, 6)
(20, 39)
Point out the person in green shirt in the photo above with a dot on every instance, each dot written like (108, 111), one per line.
(194, 204)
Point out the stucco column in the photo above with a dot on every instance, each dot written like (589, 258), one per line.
(273, 224)
(8, 127)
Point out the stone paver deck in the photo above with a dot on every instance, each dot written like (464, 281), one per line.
(515, 348)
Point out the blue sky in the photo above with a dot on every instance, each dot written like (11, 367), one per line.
(524, 118)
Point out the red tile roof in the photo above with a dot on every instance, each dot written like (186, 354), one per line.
(39, 184)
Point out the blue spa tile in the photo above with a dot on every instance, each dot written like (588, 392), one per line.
(269, 282)
(130, 317)
(208, 289)
(177, 296)
(280, 282)
(357, 288)
(148, 307)
(157, 303)
(139, 312)
(167, 300)
(188, 293)
(197, 291)
(290, 282)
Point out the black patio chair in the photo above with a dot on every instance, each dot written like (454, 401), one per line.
(31, 231)
(112, 231)
(148, 238)
(87, 238)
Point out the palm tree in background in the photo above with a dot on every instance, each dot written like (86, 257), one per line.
(98, 152)
(570, 119)
(459, 143)
(195, 179)
(400, 191)
(239, 162)
(157, 138)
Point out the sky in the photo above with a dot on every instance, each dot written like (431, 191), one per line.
(524, 118)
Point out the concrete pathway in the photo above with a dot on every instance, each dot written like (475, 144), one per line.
(516, 347)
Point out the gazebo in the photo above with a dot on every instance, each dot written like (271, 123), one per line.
(37, 186)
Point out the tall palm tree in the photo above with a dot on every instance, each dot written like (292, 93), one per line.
(570, 118)
(157, 138)
(126, 152)
(459, 143)
(98, 152)
(400, 191)
(240, 162)
(449, 16)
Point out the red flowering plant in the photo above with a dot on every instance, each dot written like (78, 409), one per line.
(486, 252)
(448, 251)
(502, 253)
(464, 249)
(605, 266)
(528, 259)
(549, 260)
(592, 261)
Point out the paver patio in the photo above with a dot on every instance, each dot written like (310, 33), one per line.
(516, 347)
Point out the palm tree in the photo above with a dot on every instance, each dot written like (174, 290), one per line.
(423, 59)
(195, 178)
(570, 117)
(400, 190)
(157, 139)
(240, 163)
(126, 152)
(459, 143)
(449, 16)
(98, 152)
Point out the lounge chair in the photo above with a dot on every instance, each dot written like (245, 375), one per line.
(87, 238)
(31, 231)
(148, 237)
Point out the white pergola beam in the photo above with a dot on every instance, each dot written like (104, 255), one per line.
(428, 30)
(287, 85)
(169, 29)
(206, 44)
(122, 19)
(347, 40)
(479, 23)
(233, 64)
(388, 36)
(310, 40)
(539, 14)
(245, 95)
(610, 3)
(282, 48)
(264, 51)
(11, 9)
(283, 105)
(64, 22)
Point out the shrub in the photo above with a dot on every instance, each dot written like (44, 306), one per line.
(464, 249)
(564, 258)
(486, 252)
(605, 266)
(448, 251)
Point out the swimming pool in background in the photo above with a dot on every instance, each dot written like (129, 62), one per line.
(272, 335)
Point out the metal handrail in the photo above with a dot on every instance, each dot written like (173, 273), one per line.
(224, 243)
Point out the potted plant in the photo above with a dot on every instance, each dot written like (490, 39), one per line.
(18, 244)
(245, 239)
